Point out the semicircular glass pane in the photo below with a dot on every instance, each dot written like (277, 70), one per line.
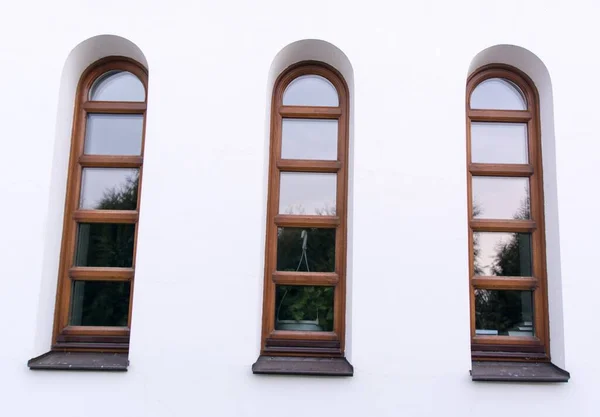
(117, 85)
(311, 90)
(498, 94)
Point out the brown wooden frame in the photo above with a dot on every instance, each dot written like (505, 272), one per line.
(305, 343)
(95, 338)
(511, 347)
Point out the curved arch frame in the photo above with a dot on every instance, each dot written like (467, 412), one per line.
(286, 342)
(511, 347)
(95, 338)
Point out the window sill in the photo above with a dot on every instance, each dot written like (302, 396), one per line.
(517, 372)
(301, 365)
(80, 361)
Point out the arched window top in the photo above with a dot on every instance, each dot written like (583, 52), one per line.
(311, 90)
(498, 94)
(117, 85)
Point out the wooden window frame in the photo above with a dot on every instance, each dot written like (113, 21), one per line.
(306, 343)
(536, 347)
(95, 338)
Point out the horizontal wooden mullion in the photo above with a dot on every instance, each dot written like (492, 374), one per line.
(286, 220)
(299, 335)
(305, 278)
(499, 115)
(310, 112)
(114, 107)
(101, 274)
(506, 340)
(106, 216)
(110, 161)
(301, 165)
(504, 283)
(516, 226)
(504, 170)
(96, 330)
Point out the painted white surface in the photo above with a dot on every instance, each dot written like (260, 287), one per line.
(406, 65)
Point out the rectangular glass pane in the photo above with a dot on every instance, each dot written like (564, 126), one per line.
(501, 198)
(100, 303)
(307, 193)
(105, 244)
(305, 249)
(309, 139)
(304, 307)
(504, 313)
(109, 189)
(499, 143)
(113, 134)
(502, 254)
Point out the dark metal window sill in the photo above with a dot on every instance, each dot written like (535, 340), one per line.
(496, 371)
(80, 361)
(300, 365)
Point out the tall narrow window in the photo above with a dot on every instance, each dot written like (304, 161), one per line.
(305, 262)
(506, 217)
(95, 286)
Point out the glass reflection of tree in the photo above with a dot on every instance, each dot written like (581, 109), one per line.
(300, 303)
(503, 310)
(102, 303)
(306, 250)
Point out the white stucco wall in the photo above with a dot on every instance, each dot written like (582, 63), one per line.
(212, 65)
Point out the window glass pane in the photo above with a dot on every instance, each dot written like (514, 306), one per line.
(105, 244)
(499, 143)
(502, 254)
(100, 303)
(504, 313)
(305, 249)
(109, 189)
(307, 193)
(501, 198)
(309, 139)
(310, 90)
(303, 307)
(113, 134)
(117, 86)
(498, 94)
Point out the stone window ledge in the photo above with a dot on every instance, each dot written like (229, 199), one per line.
(280, 365)
(80, 361)
(518, 372)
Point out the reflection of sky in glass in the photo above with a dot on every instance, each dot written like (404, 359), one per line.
(96, 182)
(309, 139)
(307, 193)
(498, 94)
(310, 90)
(117, 86)
(489, 244)
(499, 143)
(113, 134)
(501, 198)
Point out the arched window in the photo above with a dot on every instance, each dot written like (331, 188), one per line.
(95, 283)
(507, 265)
(305, 261)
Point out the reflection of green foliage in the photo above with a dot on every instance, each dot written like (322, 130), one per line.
(498, 310)
(101, 303)
(305, 303)
(104, 303)
(320, 249)
(512, 257)
(107, 244)
(122, 197)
